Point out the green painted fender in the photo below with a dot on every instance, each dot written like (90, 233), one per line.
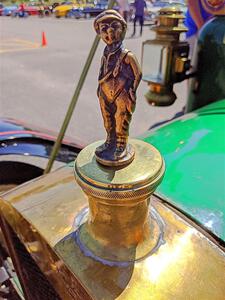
(193, 147)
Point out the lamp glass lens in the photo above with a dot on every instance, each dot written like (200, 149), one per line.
(154, 62)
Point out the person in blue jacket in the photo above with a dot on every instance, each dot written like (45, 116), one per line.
(139, 6)
(196, 16)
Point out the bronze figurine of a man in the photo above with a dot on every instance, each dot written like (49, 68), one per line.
(118, 80)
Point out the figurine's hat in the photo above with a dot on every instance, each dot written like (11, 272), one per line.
(109, 14)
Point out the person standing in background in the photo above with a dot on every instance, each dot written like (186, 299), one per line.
(22, 10)
(124, 8)
(196, 16)
(139, 6)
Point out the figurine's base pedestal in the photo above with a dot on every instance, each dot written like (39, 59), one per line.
(119, 225)
(109, 159)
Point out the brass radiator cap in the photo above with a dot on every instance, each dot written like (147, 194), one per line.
(139, 178)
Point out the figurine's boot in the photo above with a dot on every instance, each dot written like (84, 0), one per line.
(105, 146)
(121, 147)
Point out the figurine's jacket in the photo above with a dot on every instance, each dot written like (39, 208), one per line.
(115, 75)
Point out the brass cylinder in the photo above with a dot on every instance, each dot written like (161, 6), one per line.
(123, 225)
(118, 225)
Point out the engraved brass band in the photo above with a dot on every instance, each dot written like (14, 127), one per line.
(134, 181)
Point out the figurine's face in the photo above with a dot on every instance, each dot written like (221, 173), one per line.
(111, 32)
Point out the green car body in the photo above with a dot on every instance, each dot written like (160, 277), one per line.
(193, 147)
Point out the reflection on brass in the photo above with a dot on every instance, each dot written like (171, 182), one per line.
(118, 223)
(180, 64)
(118, 80)
(186, 266)
(21, 211)
(160, 95)
(6, 187)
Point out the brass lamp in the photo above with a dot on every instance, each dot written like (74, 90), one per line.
(165, 58)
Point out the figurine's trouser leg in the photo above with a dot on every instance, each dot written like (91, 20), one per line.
(106, 109)
(125, 107)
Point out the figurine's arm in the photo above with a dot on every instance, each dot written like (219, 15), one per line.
(101, 67)
(132, 61)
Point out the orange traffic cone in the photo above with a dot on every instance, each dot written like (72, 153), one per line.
(44, 41)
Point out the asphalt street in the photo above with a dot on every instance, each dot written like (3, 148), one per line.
(37, 83)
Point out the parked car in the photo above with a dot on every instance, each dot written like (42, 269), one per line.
(53, 6)
(63, 10)
(28, 148)
(8, 10)
(100, 6)
(29, 10)
(76, 13)
(81, 9)
(1, 8)
(32, 10)
(89, 12)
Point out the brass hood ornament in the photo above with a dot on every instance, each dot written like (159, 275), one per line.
(118, 80)
(118, 178)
